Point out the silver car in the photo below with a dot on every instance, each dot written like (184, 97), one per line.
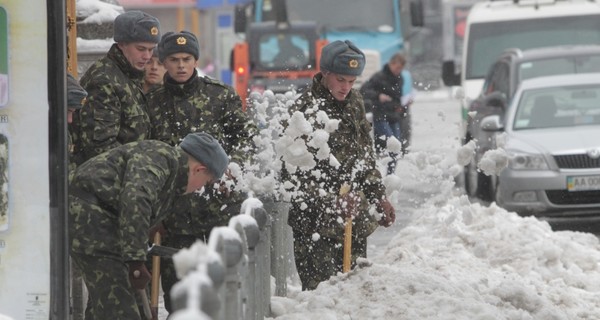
(551, 136)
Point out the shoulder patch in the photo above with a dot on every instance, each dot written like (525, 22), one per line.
(216, 82)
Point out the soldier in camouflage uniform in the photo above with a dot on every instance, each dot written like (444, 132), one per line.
(318, 210)
(76, 97)
(115, 112)
(115, 197)
(187, 103)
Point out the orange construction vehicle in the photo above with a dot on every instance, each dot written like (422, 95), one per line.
(276, 55)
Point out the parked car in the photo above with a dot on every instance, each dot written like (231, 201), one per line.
(505, 74)
(551, 135)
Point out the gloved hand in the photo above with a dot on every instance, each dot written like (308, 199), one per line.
(348, 204)
(139, 276)
(387, 210)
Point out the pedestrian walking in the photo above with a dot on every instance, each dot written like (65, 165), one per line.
(382, 95)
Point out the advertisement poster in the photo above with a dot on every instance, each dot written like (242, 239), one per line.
(24, 158)
(3, 58)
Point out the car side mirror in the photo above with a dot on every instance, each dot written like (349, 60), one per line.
(492, 123)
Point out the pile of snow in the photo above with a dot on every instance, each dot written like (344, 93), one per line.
(463, 261)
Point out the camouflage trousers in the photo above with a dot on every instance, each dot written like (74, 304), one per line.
(168, 276)
(194, 220)
(110, 294)
(95, 249)
(317, 261)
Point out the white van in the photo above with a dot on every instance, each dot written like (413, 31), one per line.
(493, 26)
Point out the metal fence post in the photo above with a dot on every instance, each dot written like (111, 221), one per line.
(228, 244)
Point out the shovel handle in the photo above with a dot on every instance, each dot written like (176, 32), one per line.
(347, 245)
(155, 280)
(344, 189)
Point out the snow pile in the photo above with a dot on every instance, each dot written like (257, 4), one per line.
(96, 11)
(464, 261)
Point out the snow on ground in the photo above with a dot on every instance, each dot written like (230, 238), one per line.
(454, 259)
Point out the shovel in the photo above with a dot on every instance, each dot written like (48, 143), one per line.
(344, 189)
(155, 279)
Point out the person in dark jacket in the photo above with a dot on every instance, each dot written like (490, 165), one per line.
(115, 197)
(383, 98)
(115, 112)
(188, 103)
(319, 206)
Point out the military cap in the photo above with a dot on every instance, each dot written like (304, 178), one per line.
(207, 150)
(342, 57)
(136, 26)
(75, 93)
(178, 42)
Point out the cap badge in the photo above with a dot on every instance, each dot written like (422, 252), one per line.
(154, 31)
(353, 64)
(181, 41)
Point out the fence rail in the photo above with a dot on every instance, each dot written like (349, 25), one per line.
(229, 278)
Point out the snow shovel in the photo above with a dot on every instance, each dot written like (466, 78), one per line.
(344, 189)
(155, 279)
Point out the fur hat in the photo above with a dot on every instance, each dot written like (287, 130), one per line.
(178, 42)
(207, 150)
(136, 26)
(75, 93)
(342, 58)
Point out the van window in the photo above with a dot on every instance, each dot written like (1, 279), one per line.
(488, 40)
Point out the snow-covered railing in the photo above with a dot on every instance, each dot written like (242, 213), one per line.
(229, 277)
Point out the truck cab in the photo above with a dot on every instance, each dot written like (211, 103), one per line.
(277, 57)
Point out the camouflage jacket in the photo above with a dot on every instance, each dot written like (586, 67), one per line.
(115, 111)
(202, 104)
(313, 206)
(137, 184)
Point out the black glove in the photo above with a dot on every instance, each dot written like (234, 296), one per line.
(139, 276)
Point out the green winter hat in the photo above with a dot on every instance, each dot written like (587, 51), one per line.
(136, 26)
(342, 58)
(75, 93)
(207, 150)
(178, 42)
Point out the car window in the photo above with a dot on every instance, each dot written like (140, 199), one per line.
(558, 107)
(560, 65)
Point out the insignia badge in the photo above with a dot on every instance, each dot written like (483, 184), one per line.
(593, 153)
(154, 31)
(181, 41)
(353, 64)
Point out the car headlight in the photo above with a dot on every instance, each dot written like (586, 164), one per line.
(524, 161)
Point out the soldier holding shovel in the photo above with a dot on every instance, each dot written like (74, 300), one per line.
(331, 194)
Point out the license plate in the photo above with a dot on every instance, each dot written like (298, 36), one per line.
(583, 183)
